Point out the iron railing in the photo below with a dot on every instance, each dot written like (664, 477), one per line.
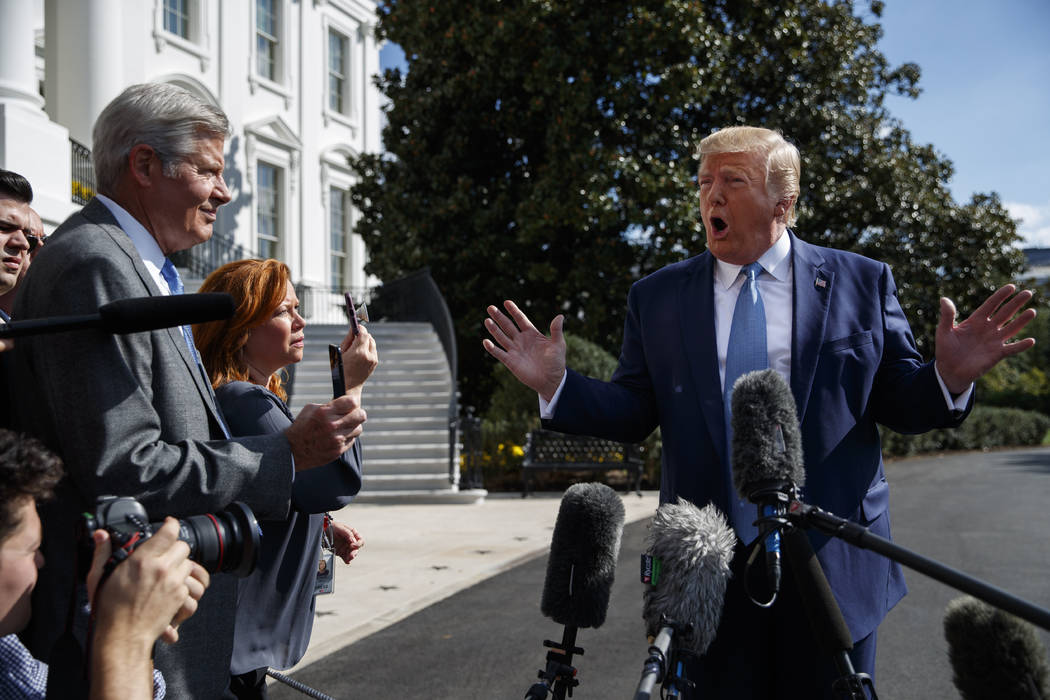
(416, 297)
(83, 167)
(202, 259)
(327, 305)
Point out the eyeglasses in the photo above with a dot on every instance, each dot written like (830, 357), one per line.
(34, 241)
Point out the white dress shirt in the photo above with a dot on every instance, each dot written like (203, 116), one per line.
(144, 242)
(775, 284)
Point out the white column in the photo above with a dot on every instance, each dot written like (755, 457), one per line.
(17, 72)
(29, 143)
(85, 68)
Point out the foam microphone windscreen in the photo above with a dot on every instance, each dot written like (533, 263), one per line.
(694, 547)
(994, 655)
(149, 313)
(767, 442)
(584, 549)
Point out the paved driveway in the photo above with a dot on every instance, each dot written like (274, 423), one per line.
(983, 513)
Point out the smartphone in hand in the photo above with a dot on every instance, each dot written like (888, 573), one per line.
(350, 312)
(335, 360)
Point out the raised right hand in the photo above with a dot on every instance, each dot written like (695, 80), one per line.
(536, 360)
(321, 433)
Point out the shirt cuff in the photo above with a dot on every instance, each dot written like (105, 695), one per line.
(958, 404)
(547, 408)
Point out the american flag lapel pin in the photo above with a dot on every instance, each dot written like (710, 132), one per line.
(820, 283)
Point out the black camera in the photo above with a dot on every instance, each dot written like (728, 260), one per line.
(225, 542)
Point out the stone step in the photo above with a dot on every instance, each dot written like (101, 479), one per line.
(382, 372)
(382, 466)
(398, 425)
(410, 435)
(406, 451)
(403, 482)
(405, 440)
(375, 464)
(422, 496)
(378, 385)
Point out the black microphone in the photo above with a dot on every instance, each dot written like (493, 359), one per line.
(686, 569)
(132, 315)
(767, 455)
(581, 567)
(584, 549)
(994, 655)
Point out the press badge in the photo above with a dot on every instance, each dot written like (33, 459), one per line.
(325, 582)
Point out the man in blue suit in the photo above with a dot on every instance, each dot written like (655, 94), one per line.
(835, 330)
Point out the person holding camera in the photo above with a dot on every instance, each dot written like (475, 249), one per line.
(146, 597)
(244, 356)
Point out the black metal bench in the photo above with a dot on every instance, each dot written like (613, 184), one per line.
(546, 450)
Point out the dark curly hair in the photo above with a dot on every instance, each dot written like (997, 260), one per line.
(27, 469)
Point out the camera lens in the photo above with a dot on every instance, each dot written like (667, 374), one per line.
(222, 542)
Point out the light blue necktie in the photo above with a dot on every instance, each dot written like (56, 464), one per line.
(175, 286)
(171, 276)
(747, 353)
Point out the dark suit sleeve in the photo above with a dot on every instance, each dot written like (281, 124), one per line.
(906, 396)
(252, 410)
(124, 411)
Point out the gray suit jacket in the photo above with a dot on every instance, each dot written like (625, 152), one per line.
(131, 415)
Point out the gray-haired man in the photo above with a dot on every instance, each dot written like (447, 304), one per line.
(134, 415)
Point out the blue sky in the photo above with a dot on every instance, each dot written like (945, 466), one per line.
(986, 96)
(985, 103)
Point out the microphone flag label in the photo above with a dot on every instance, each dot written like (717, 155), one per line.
(650, 570)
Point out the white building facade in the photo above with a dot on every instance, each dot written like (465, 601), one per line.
(293, 76)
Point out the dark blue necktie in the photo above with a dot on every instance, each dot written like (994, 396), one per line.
(747, 353)
(175, 286)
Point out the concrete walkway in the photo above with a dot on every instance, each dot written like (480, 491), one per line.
(417, 555)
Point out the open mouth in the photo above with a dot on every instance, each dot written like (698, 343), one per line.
(719, 223)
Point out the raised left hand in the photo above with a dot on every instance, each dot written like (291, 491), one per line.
(967, 350)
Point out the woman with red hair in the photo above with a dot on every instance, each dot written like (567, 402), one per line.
(244, 357)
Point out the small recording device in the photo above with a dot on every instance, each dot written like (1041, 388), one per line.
(351, 312)
(225, 542)
(335, 355)
(335, 361)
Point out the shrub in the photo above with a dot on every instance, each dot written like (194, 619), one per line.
(514, 411)
(986, 427)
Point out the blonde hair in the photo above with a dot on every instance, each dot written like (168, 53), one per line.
(783, 162)
(258, 287)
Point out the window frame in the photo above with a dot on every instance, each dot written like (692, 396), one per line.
(281, 83)
(276, 241)
(351, 29)
(198, 41)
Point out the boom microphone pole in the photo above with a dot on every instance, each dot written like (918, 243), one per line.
(585, 547)
(807, 516)
(825, 616)
(132, 315)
